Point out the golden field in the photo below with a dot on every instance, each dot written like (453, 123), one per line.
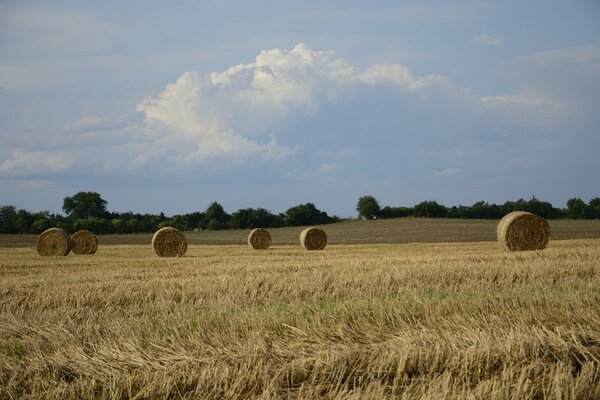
(420, 320)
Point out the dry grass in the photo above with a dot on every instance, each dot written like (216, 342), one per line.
(449, 321)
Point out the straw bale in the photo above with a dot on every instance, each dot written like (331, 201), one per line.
(521, 231)
(313, 239)
(84, 242)
(54, 242)
(259, 239)
(169, 242)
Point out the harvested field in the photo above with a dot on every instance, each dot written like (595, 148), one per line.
(445, 320)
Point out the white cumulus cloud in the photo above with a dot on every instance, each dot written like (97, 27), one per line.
(238, 112)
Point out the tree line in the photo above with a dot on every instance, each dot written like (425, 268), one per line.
(88, 210)
(368, 208)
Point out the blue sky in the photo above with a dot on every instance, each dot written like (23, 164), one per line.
(170, 105)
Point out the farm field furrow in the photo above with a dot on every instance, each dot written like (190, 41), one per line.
(420, 320)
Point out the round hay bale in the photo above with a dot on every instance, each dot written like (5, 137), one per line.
(84, 242)
(313, 239)
(259, 239)
(54, 242)
(169, 242)
(522, 231)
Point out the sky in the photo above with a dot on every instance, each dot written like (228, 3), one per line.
(167, 106)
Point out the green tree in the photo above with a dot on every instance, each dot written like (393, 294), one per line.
(460, 211)
(7, 216)
(576, 208)
(594, 208)
(85, 205)
(507, 207)
(395, 212)
(193, 220)
(215, 217)
(23, 221)
(541, 208)
(254, 218)
(119, 225)
(519, 205)
(480, 210)
(368, 207)
(306, 214)
(174, 223)
(431, 209)
(94, 224)
(40, 225)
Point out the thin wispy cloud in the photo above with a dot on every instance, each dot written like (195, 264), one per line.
(324, 169)
(485, 39)
(447, 172)
(30, 163)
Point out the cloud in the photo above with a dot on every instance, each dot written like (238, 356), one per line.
(487, 40)
(447, 172)
(229, 114)
(87, 122)
(564, 82)
(527, 109)
(25, 163)
(247, 113)
(250, 97)
(324, 169)
(587, 54)
(400, 76)
(342, 154)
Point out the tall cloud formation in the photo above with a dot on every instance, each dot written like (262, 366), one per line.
(238, 113)
(230, 113)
